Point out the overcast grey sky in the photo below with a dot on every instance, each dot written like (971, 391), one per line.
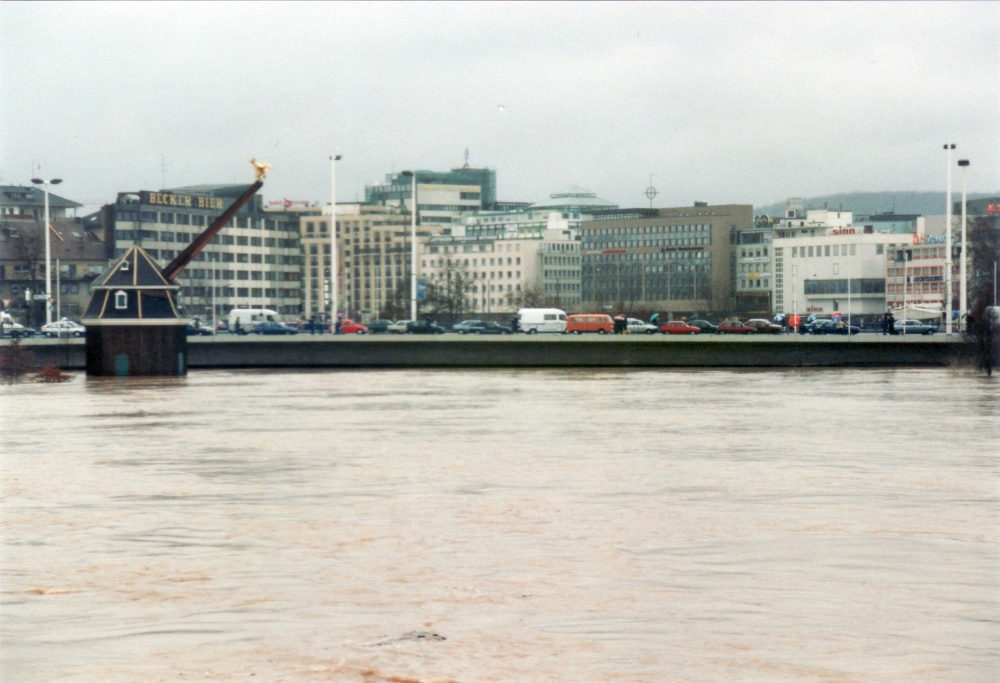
(722, 102)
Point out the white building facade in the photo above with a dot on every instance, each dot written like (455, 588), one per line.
(500, 269)
(843, 270)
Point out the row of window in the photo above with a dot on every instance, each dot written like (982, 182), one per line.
(665, 242)
(200, 220)
(858, 286)
(442, 263)
(829, 250)
(224, 292)
(700, 228)
(489, 247)
(672, 255)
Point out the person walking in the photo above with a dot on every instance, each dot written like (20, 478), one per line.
(312, 324)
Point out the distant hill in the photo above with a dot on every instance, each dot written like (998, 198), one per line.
(865, 203)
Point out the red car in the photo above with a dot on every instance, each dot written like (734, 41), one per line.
(678, 327)
(348, 326)
(733, 327)
(761, 326)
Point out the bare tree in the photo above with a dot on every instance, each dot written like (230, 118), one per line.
(398, 305)
(531, 296)
(450, 296)
(27, 250)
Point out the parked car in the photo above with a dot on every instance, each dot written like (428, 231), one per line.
(732, 327)
(16, 330)
(678, 327)
(398, 327)
(914, 327)
(494, 328)
(589, 322)
(272, 327)
(64, 328)
(196, 329)
(703, 325)
(348, 326)
(636, 326)
(830, 327)
(379, 326)
(761, 326)
(468, 326)
(424, 327)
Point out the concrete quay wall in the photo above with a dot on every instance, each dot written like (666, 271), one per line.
(542, 351)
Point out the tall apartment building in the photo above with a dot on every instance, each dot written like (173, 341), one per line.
(255, 260)
(676, 260)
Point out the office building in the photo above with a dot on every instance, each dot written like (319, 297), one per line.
(674, 260)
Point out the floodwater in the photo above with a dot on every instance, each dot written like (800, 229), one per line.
(527, 525)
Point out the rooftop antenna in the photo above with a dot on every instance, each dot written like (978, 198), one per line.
(651, 192)
(466, 158)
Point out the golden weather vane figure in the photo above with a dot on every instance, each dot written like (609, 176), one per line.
(260, 168)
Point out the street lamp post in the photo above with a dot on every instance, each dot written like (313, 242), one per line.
(962, 302)
(849, 290)
(48, 246)
(215, 326)
(334, 158)
(413, 245)
(947, 254)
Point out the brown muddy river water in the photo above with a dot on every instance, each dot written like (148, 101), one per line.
(473, 526)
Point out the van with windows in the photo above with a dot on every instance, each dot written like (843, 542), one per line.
(590, 323)
(535, 320)
(247, 319)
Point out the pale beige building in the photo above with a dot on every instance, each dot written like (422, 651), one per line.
(373, 261)
(501, 268)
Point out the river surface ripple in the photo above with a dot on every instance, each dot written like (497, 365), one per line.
(502, 525)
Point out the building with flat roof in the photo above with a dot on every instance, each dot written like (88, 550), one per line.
(674, 260)
(441, 196)
(373, 261)
(487, 276)
(842, 270)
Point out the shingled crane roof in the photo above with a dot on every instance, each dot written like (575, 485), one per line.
(133, 291)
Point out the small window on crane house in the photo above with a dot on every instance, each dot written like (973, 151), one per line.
(121, 300)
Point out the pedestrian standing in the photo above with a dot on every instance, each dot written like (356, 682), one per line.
(312, 324)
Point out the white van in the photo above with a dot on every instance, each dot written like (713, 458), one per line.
(248, 319)
(535, 320)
